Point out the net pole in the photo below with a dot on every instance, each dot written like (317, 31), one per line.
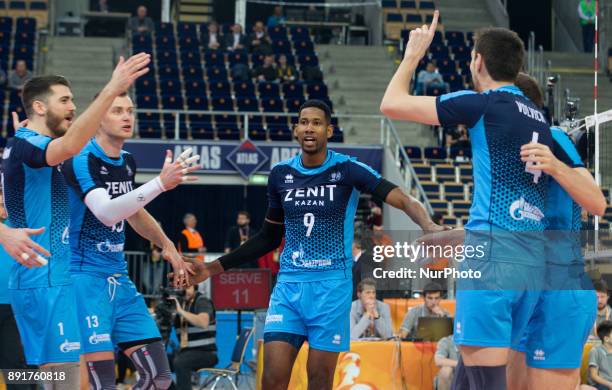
(595, 96)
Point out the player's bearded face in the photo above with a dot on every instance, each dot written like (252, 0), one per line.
(58, 122)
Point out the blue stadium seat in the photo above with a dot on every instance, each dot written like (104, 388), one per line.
(470, 37)
(293, 89)
(5, 38)
(195, 87)
(299, 31)
(257, 132)
(169, 122)
(281, 47)
(426, 5)
(164, 29)
(435, 153)
(460, 151)
(395, 17)
(220, 88)
(257, 59)
(438, 39)
(6, 24)
(146, 85)
(337, 136)
(267, 90)
(26, 24)
(168, 72)
(191, 57)
(148, 117)
(317, 91)
(303, 47)
(147, 101)
(216, 73)
(189, 42)
(163, 41)
(238, 57)
(455, 81)
(434, 91)
(446, 65)
(247, 104)
(214, 58)
(280, 133)
(201, 126)
(429, 19)
(413, 152)
(38, 6)
(389, 4)
(272, 104)
(293, 104)
(308, 60)
(464, 66)
(166, 57)
(278, 32)
(142, 42)
(411, 18)
(17, 5)
(455, 37)
(227, 127)
(223, 103)
(461, 52)
(244, 89)
(172, 102)
(408, 4)
(187, 29)
(197, 103)
(192, 72)
(150, 127)
(439, 51)
(25, 38)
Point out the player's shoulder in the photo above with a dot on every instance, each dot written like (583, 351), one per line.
(462, 94)
(31, 137)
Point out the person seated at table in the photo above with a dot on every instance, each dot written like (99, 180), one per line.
(432, 294)
(600, 359)
(369, 316)
(446, 358)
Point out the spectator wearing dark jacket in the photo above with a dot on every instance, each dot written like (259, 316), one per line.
(267, 71)
(259, 41)
(236, 40)
(212, 38)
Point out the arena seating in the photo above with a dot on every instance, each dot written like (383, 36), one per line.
(187, 76)
(17, 42)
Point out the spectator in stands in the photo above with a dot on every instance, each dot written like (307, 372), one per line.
(259, 41)
(195, 324)
(19, 76)
(586, 12)
(286, 72)
(429, 77)
(190, 242)
(446, 358)
(312, 74)
(266, 71)
(236, 40)
(356, 251)
(141, 23)
(155, 270)
(277, 18)
(212, 39)
(101, 6)
(2, 78)
(271, 260)
(604, 311)
(600, 362)
(237, 235)
(432, 294)
(369, 316)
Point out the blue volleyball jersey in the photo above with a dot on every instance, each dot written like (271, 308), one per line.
(319, 205)
(562, 212)
(97, 248)
(500, 121)
(35, 195)
(6, 262)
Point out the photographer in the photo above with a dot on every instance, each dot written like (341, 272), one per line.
(195, 324)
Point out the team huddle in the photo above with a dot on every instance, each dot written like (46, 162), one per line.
(72, 177)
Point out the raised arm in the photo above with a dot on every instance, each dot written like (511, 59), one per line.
(397, 103)
(413, 209)
(86, 124)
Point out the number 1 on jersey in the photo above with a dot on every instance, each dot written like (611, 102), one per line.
(309, 220)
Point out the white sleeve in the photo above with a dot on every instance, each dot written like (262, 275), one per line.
(111, 211)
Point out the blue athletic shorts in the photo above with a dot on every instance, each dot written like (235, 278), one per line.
(318, 310)
(558, 329)
(111, 311)
(47, 324)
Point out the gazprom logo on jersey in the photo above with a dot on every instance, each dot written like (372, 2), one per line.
(106, 246)
(520, 210)
(99, 338)
(68, 346)
(247, 158)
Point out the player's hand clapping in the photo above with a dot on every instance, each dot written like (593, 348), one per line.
(18, 244)
(200, 271)
(127, 71)
(181, 269)
(420, 39)
(175, 173)
(542, 157)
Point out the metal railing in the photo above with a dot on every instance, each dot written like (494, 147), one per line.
(535, 60)
(389, 138)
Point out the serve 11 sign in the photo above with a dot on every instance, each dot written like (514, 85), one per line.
(241, 289)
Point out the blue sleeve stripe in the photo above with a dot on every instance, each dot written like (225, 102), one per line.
(567, 145)
(366, 167)
(452, 95)
(80, 164)
(40, 141)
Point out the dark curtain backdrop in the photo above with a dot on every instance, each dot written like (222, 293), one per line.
(530, 15)
(215, 207)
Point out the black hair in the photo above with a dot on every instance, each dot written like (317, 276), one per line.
(432, 287)
(320, 104)
(600, 286)
(502, 50)
(604, 329)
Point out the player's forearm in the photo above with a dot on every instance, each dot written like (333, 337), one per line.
(81, 131)
(267, 239)
(581, 186)
(146, 226)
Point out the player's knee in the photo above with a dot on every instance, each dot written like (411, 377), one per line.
(273, 379)
(163, 380)
(320, 379)
(152, 365)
